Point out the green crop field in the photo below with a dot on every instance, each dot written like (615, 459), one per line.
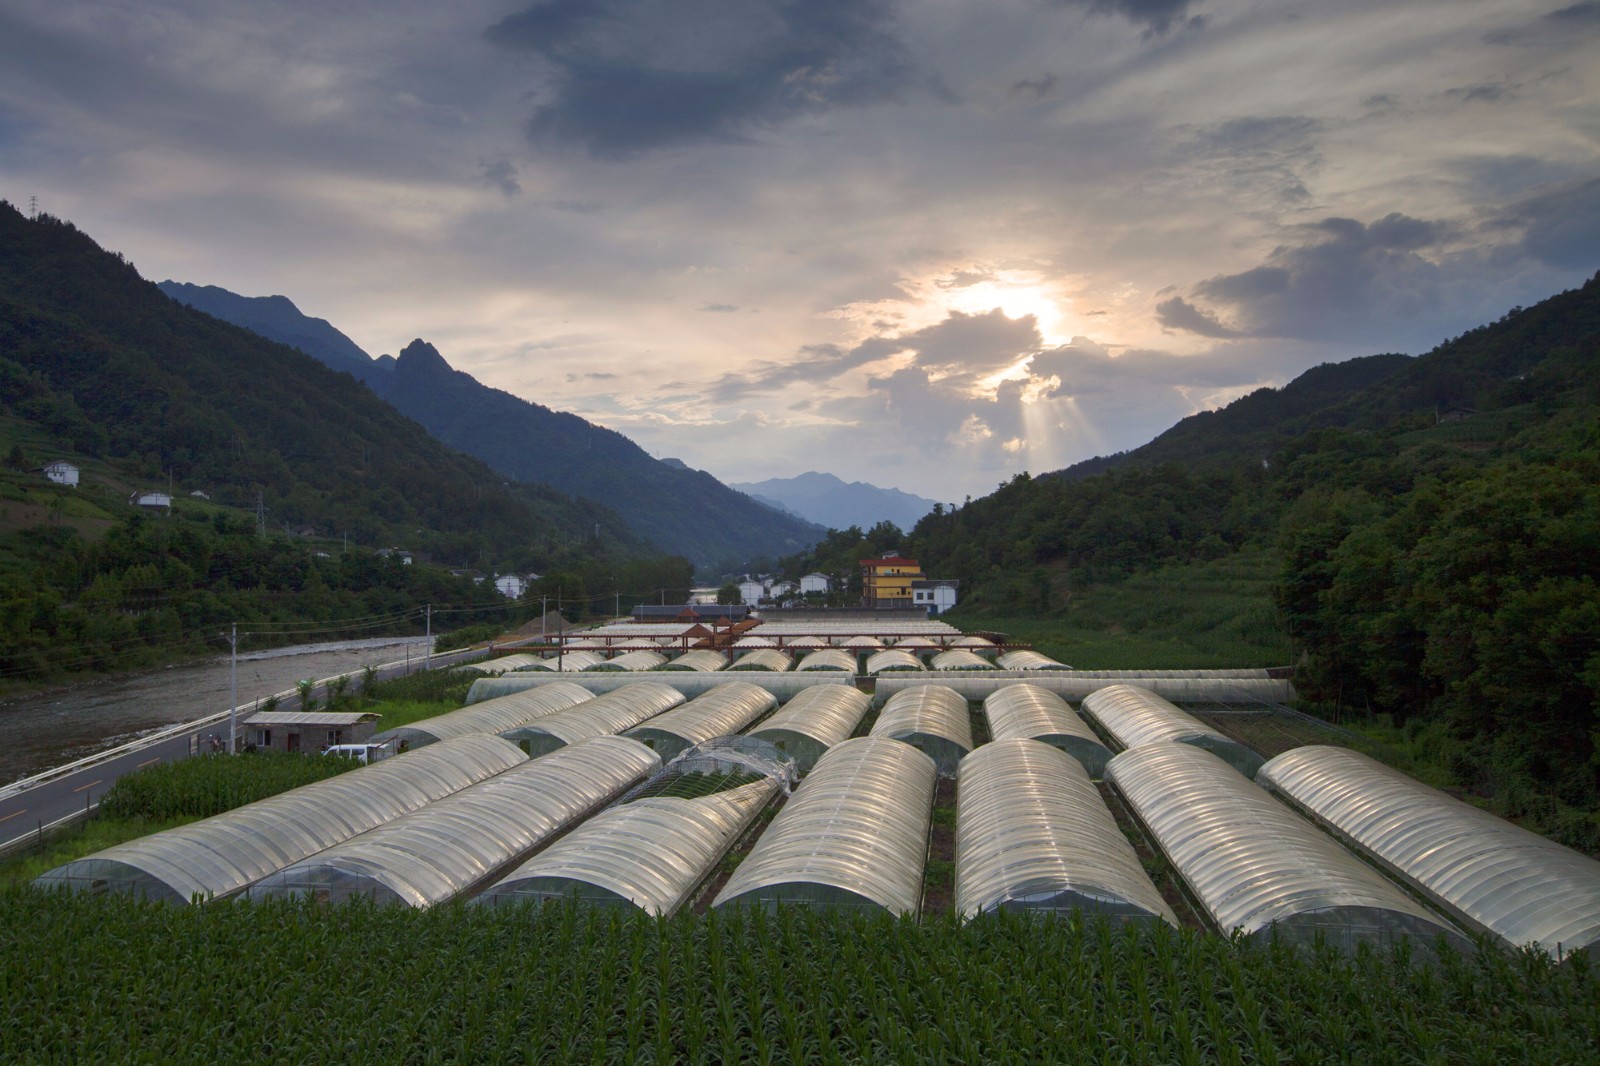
(108, 979)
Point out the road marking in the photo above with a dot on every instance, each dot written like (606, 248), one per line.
(91, 784)
(148, 762)
(13, 814)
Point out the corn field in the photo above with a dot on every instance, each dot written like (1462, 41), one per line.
(91, 979)
(211, 784)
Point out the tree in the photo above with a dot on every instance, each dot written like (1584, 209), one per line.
(728, 595)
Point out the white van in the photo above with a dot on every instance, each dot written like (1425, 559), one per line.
(363, 753)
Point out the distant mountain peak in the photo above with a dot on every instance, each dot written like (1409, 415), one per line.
(836, 503)
(421, 357)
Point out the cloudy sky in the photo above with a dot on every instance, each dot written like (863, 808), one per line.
(925, 244)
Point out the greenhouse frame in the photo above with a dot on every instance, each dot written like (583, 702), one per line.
(932, 718)
(1028, 711)
(219, 856)
(1490, 875)
(893, 659)
(862, 643)
(854, 834)
(1028, 659)
(959, 659)
(635, 661)
(828, 659)
(650, 853)
(1135, 716)
(1032, 833)
(769, 660)
(606, 714)
(976, 684)
(489, 716)
(448, 847)
(701, 659)
(505, 664)
(729, 708)
(814, 721)
(568, 662)
(1254, 865)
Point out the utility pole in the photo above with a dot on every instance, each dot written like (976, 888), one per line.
(261, 516)
(233, 713)
(618, 595)
(428, 648)
(544, 613)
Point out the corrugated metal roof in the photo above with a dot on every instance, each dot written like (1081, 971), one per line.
(313, 718)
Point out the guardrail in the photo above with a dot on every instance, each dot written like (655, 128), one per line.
(404, 666)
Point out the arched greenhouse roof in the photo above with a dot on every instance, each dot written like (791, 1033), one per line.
(729, 708)
(702, 659)
(1136, 716)
(892, 659)
(446, 848)
(862, 643)
(1491, 875)
(631, 660)
(828, 659)
(649, 853)
(1253, 864)
(225, 854)
(766, 659)
(490, 716)
(1028, 659)
(606, 714)
(1025, 710)
(854, 834)
(814, 721)
(504, 664)
(932, 718)
(1032, 833)
(960, 659)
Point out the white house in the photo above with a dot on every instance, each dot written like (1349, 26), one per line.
(398, 553)
(514, 586)
(814, 582)
(62, 473)
(779, 589)
(751, 591)
(937, 594)
(200, 494)
(151, 499)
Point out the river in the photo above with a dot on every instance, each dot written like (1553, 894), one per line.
(59, 725)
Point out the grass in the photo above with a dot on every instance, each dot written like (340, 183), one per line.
(97, 834)
(1193, 616)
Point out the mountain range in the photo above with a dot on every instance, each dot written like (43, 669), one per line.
(837, 504)
(680, 510)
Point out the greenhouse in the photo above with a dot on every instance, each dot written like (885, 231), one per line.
(1493, 876)
(917, 643)
(505, 664)
(489, 716)
(855, 834)
(814, 721)
(1027, 659)
(931, 718)
(1256, 866)
(566, 662)
(748, 641)
(701, 659)
(1028, 711)
(977, 684)
(1032, 833)
(450, 846)
(769, 660)
(972, 642)
(224, 854)
(619, 709)
(729, 708)
(828, 659)
(631, 661)
(650, 853)
(1136, 716)
(862, 643)
(892, 659)
(960, 659)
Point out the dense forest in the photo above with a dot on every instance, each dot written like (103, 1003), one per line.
(99, 368)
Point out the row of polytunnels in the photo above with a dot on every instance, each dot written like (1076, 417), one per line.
(642, 796)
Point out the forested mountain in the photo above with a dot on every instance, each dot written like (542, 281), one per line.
(1439, 531)
(832, 502)
(684, 511)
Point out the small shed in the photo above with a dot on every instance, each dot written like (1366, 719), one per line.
(308, 731)
(61, 472)
(151, 499)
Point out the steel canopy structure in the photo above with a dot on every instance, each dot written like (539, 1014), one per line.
(1136, 716)
(448, 847)
(854, 834)
(1492, 876)
(1033, 834)
(222, 855)
(1254, 865)
(1028, 711)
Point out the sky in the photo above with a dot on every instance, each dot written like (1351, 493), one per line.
(926, 244)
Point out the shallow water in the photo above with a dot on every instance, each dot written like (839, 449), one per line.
(60, 725)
